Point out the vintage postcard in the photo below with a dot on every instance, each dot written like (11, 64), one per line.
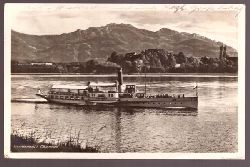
(124, 81)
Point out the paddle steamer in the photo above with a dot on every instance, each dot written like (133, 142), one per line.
(118, 94)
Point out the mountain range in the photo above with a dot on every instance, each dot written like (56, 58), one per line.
(100, 42)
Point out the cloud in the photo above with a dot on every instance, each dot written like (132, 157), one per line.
(217, 25)
(168, 17)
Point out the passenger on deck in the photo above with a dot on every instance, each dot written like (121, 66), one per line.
(96, 89)
(90, 89)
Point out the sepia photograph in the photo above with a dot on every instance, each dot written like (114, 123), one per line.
(124, 81)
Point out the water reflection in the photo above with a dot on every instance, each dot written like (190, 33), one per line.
(118, 130)
(126, 110)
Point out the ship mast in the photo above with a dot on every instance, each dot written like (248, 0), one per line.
(145, 78)
(196, 90)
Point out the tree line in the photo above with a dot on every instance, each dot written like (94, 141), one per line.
(91, 66)
(150, 60)
(161, 61)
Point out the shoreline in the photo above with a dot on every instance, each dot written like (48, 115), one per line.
(21, 143)
(127, 75)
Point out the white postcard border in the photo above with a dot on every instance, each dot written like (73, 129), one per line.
(8, 13)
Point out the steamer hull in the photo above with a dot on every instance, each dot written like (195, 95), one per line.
(71, 102)
(101, 101)
(185, 102)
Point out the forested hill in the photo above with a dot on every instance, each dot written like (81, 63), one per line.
(100, 42)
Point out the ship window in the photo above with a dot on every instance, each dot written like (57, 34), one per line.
(81, 91)
(111, 95)
(61, 97)
(52, 97)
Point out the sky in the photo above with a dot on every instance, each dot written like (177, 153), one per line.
(216, 22)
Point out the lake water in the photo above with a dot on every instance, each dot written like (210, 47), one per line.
(212, 128)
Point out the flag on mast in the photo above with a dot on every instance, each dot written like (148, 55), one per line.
(196, 88)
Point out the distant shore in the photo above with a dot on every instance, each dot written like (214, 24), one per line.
(129, 75)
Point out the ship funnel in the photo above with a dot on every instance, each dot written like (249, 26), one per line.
(120, 80)
(120, 77)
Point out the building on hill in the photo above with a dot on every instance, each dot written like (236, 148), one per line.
(224, 56)
(42, 64)
(177, 65)
(223, 52)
